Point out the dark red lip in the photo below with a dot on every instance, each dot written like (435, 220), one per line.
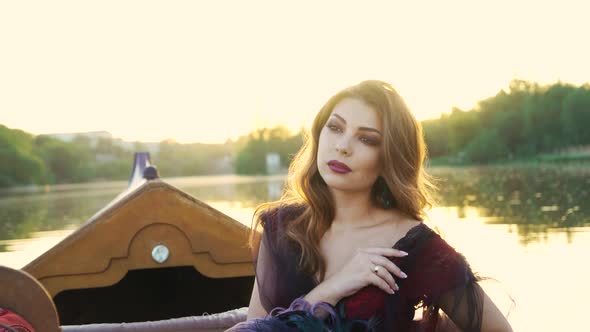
(339, 167)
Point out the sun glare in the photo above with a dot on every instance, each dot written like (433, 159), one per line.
(205, 72)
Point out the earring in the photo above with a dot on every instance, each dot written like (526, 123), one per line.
(387, 202)
(386, 196)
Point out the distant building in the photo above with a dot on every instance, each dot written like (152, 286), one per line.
(152, 148)
(224, 165)
(94, 136)
(273, 163)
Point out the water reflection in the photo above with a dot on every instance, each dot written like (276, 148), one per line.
(20, 216)
(534, 200)
(248, 191)
(508, 222)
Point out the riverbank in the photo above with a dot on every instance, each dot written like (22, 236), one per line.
(581, 159)
(121, 185)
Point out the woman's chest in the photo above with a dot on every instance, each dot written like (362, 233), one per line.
(339, 248)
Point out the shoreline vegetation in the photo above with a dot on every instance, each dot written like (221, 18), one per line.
(557, 159)
(527, 125)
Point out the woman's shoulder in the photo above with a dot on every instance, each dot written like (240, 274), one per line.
(429, 242)
(429, 250)
(401, 225)
(276, 217)
(433, 255)
(435, 265)
(274, 222)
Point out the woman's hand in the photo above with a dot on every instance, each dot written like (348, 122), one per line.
(358, 273)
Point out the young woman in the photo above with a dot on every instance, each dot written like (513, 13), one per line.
(345, 249)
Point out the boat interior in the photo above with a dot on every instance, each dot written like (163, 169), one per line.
(153, 259)
(30, 300)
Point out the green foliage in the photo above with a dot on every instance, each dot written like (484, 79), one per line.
(28, 159)
(526, 121)
(486, 147)
(575, 117)
(20, 165)
(251, 158)
(175, 159)
(67, 162)
(118, 169)
(436, 134)
(464, 127)
(523, 123)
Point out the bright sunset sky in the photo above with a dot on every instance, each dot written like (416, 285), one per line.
(204, 71)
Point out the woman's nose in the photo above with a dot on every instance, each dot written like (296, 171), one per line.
(343, 147)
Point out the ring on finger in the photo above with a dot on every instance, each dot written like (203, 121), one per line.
(376, 269)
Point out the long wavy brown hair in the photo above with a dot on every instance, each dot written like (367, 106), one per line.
(404, 184)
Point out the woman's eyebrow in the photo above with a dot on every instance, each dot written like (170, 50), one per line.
(360, 128)
(339, 117)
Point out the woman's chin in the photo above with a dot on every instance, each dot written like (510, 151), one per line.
(344, 185)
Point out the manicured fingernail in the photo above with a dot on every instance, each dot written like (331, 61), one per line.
(396, 287)
(403, 253)
(391, 291)
(403, 275)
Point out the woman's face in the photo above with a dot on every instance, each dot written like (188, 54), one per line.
(349, 149)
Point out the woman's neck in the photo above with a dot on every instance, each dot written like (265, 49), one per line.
(353, 210)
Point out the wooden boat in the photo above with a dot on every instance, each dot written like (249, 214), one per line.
(153, 253)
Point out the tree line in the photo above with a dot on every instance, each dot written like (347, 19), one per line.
(28, 159)
(527, 121)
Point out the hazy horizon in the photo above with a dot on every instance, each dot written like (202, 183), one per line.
(207, 72)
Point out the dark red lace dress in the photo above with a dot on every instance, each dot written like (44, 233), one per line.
(10, 321)
(435, 272)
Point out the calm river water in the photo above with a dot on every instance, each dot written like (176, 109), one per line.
(528, 228)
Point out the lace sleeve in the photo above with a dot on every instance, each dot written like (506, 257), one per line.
(265, 260)
(444, 279)
(278, 279)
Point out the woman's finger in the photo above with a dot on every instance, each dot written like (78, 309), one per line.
(388, 252)
(382, 273)
(388, 265)
(374, 279)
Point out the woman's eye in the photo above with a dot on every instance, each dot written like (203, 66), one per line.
(369, 141)
(333, 128)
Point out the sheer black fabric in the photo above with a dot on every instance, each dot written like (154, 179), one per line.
(279, 280)
(438, 278)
